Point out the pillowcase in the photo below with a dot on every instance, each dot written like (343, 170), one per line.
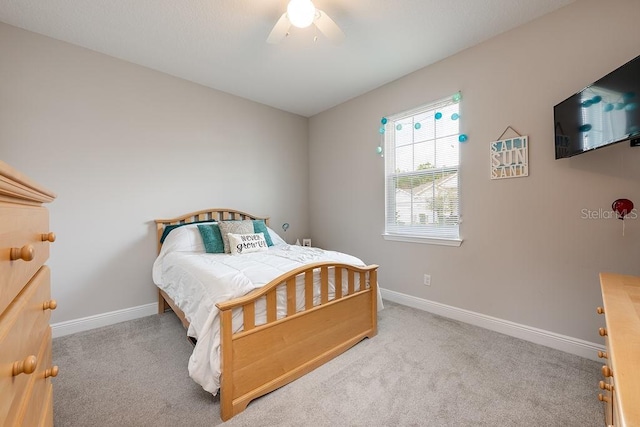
(172, 227)
(185, 238)
(211, 238)
(275, 238)
(247, 243)
(235, 227)
(260, 227)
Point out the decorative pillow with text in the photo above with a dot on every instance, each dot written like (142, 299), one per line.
(247, 243)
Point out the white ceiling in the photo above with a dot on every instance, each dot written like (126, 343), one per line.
(221, 43)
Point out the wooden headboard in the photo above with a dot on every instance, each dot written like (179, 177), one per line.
(216, 214)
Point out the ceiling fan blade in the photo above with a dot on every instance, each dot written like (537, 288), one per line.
(329, 28)
(279, 30)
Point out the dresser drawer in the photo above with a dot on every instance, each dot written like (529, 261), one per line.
(22, 330)
(22, 229)
(35, 405)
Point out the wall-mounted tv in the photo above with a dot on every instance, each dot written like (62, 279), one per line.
(605, 112)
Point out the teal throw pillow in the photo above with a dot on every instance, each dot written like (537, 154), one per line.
(212, 238)
(260, 227)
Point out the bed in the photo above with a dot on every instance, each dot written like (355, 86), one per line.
(271, 317)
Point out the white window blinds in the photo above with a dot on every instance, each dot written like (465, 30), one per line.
(421, 171)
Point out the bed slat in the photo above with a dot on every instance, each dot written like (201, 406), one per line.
(308, 290)
(351, 283)
(324, 285)
(249, 316)
(271, 306)
(291, 296)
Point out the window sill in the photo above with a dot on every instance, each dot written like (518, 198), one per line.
(423, 240)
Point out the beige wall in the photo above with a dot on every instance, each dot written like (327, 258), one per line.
(121, 145)
(527, 256)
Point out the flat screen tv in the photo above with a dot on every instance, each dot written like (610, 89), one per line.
(605, 112)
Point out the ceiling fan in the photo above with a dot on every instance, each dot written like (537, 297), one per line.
(301, 14)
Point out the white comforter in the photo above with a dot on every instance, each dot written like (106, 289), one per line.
(196, 281)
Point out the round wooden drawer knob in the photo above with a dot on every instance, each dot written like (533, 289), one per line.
(606, 371)
(51, 372)
(602, 332)
(49, 305)
(602, 398)
(26, 366)
(24, 253)
(600, 310)
(603, 354)
(604, 386)
(49, 237)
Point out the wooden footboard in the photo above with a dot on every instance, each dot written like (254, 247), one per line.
(259, 359)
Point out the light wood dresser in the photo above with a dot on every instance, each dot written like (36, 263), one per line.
(26, 391)
(621, 384)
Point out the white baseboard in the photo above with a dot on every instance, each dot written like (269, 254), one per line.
(105, 319)
(539, 336)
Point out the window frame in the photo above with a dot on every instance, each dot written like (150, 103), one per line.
(414, 233)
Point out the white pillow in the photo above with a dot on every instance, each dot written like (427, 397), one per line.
(185, 238)
(275, 238)
(247, 243)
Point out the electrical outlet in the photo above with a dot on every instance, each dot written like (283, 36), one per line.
(427, 280)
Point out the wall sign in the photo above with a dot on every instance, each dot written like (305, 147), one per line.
(510, 158)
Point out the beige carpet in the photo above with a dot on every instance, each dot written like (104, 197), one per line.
(420, 370)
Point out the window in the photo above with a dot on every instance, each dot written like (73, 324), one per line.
(421, 174)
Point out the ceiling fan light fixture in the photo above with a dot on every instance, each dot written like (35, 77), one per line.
(301, 13)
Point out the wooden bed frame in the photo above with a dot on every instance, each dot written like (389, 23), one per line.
(262, 358)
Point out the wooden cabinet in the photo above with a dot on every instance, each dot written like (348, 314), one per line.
(620, 385)
(26, 391)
